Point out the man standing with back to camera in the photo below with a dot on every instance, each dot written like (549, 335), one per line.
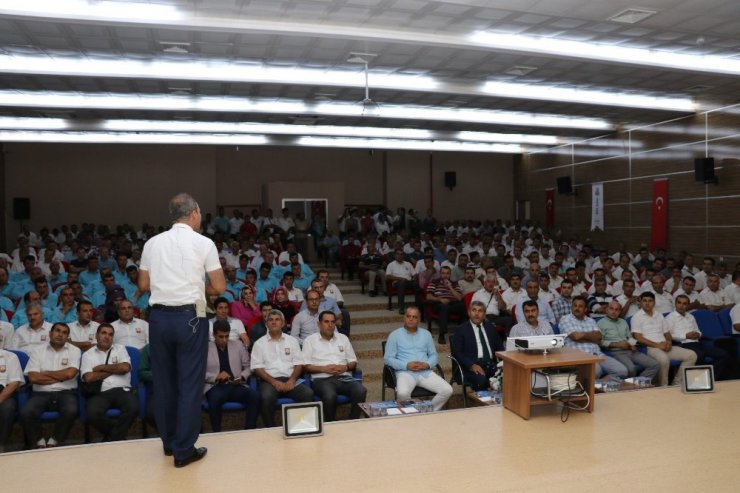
(174, 265)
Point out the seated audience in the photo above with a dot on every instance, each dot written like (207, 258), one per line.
(227, 372)
(129, 330)
(476, 343)
(278, 362)
(650, 329)
(109, 364)
(52, 370)
(328, 355)
(617, 339)
(411, 353)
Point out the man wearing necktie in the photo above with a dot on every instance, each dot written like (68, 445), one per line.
(475, 344)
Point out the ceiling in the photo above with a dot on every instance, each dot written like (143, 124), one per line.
(427, 56)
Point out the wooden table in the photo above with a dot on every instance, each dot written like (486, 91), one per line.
(518, 367)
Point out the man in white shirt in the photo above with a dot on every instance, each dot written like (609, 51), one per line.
(513, 293)
(278, 362)
(735, 319)
(533, 291)
(712, 296)
(129, 330)
(663, 299)
(629, 299)
(6, 335)
(330, 358)
(401, 274)
(649, 328)
(52, 369)
(732, 291)
(687, 289)
(35, 333)
(237, 330)
(109, 364)
(685, 333)
(82, 332)
(11, 379)
(490, 296)
(707, 268)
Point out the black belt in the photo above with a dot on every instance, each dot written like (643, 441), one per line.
(178, 308)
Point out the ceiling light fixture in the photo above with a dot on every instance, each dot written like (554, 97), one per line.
(95, 101)
(254, 73)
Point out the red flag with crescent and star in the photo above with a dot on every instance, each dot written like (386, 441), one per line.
(659, 237)
(550, 208)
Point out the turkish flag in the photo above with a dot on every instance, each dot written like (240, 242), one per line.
(550, 208)
(659, 237)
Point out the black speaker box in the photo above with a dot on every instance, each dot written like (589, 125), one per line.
(564, 185)
(704, 169)
(450, 179)
(21, 208)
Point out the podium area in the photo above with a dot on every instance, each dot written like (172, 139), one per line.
(649, 440)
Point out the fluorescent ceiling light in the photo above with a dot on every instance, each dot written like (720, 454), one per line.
(222, 71)
(229, 128)
(96, 101)
(607, 53)
(188, 17)
(212, 70)
(227, 139)
(398, 144)
(587, 96)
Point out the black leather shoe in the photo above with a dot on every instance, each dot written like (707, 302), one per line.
(168, 452)
(197, 455)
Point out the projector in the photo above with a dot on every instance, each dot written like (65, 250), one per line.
(539, 343)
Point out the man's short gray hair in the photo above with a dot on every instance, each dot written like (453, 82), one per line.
(181, 206)
(34, 304)
(479, 304)
(277, 313)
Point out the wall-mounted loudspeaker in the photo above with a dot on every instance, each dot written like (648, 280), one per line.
(704, 170)
(565, 187)
(21, 208)
(450, 179)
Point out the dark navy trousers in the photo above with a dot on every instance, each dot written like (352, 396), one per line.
(179, 349)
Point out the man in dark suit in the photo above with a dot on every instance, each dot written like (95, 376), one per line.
(227, 371)
(475, 344)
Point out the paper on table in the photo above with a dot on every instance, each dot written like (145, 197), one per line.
(409, 410)
(392, 411)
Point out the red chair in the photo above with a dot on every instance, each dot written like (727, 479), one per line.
(467, 299)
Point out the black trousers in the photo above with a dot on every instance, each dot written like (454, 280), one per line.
(720, 356)
(220, 394)
(7, 418)
(269, 396)
(113, 429)
(63, 401)
(179, 351)
(327, 390)
(481, 382)
(444, 310)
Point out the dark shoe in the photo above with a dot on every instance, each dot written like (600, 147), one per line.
(197, 455)
(373, 294)
(168, 452)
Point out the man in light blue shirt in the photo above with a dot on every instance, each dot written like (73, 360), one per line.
(411, 353)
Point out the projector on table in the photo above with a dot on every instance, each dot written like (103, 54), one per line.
(539, 343)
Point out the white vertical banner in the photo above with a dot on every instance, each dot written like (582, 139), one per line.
(597, 206)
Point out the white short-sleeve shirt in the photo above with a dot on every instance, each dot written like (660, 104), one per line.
(134, 333)
(177, 261)
(735, 317)
(10, 368)
(94, 357)
(652, 327)
(336, 351)
(277, 357)
(6, 335)
(26, 339)
(83, 333)
(236, 326)
(46, 358)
